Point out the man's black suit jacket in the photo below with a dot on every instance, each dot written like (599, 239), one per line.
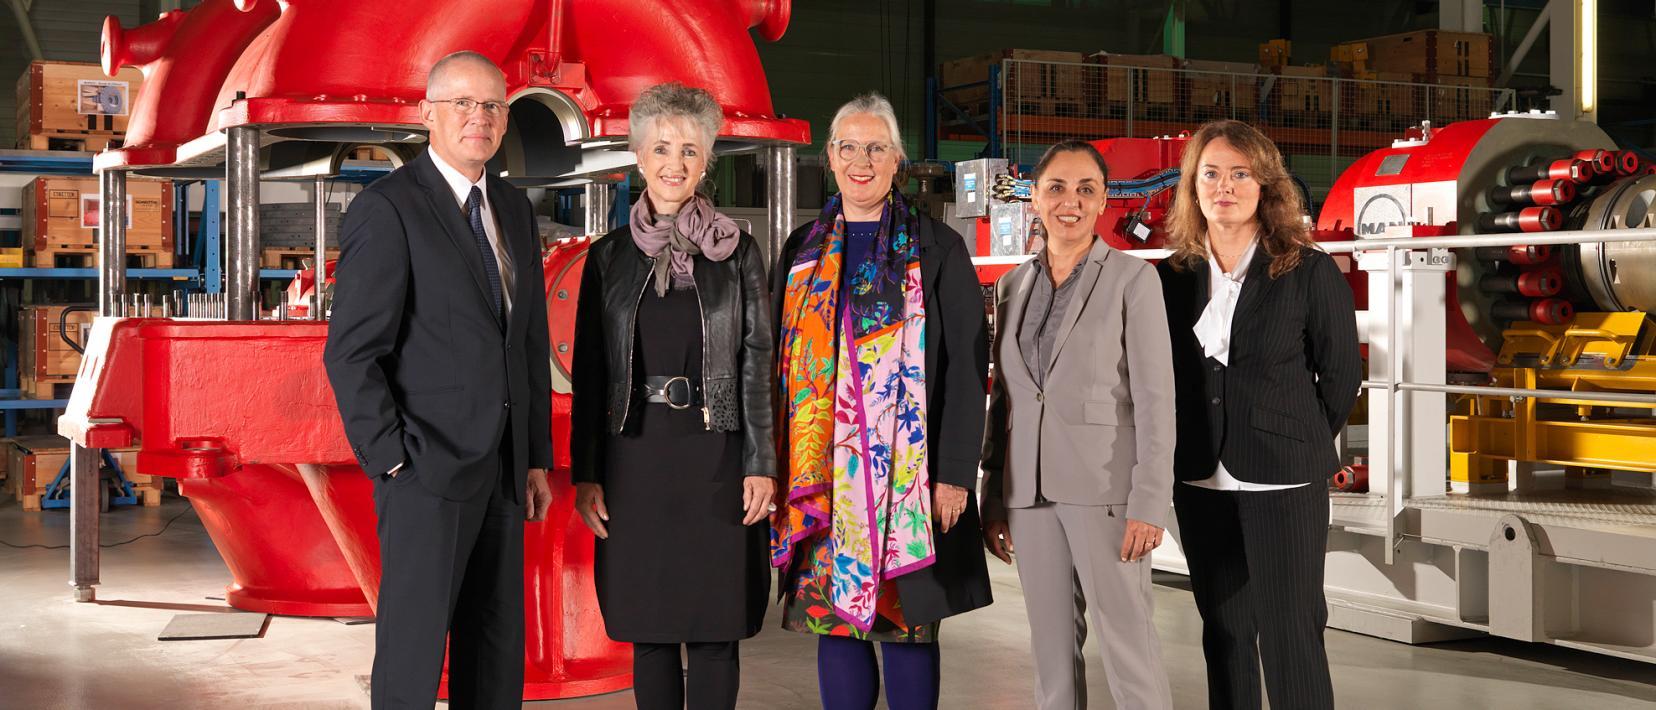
(422, 369)
(1294, 373)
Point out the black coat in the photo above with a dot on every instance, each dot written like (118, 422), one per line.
(423, 373)
(957, 369)
(1293, 377)
(738, 358)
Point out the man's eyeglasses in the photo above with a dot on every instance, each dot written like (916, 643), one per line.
(466, 107)
(877, 152)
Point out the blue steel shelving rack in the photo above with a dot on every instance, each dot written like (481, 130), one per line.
(206, 243)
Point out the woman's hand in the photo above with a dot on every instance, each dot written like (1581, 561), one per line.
(589, 503)
(757, 494)
(948, 502)
(1140, 539)
(997, 536)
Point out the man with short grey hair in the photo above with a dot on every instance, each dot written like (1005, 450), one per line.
(439, 360)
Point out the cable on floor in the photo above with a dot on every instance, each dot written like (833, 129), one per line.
(112, 544)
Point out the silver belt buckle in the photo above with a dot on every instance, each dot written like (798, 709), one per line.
(667, 392)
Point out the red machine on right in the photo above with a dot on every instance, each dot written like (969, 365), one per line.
(1557, 317)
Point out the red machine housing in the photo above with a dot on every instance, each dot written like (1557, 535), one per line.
(1441, 181)
(354, 72)
(265, 462)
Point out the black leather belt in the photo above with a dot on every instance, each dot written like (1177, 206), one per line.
(676, 392)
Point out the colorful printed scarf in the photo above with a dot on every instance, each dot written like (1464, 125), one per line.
(855, 436)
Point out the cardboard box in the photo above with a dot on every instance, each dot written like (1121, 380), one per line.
(73, 99)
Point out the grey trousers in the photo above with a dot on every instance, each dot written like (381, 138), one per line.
(1069, 561)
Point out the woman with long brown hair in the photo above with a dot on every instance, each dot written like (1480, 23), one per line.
(1266, 370)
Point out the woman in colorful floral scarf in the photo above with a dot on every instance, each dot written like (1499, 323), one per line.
(882, 360)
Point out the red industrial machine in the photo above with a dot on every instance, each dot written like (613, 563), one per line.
(240, 412)
(1143, 175)
(329, 75)
(1524, 173)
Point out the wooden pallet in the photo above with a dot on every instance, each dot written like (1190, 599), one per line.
(290, 257)
(32, 387)
(86, 142)
(367, 152)
(149, 497)
(77, 256)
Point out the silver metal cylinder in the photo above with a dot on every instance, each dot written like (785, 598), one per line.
(241, 252)
(85, 498)
(781, 193)
(321, 265)
(112, 224)
(599, 200)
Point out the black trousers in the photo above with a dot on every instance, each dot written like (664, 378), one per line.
(448, 570)
(660, 679)
(1256, 567)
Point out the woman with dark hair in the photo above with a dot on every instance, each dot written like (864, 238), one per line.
(673, 457)
(1079, 449)
(1267, 369)
(882, 360)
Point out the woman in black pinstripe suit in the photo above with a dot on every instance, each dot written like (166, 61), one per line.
(1266, 369)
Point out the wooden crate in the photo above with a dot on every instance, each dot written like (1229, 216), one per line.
(1305, 90)
(282, 257)
(34, 462)
(86, 257)
(42, 354)
(1215, 90)
(1432, 54)
(1047, 81)
(1460, 98)
(1393, 100)
(1275, 53)
(1350, 59)
(73, 105)
(61, 212)
(368, 152)
(1143, 79)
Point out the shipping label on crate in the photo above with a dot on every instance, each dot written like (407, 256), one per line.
(101, 98)
(90, 212)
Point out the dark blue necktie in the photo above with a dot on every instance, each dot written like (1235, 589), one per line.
(474, 211)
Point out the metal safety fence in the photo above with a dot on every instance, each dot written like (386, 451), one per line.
(1321, 123)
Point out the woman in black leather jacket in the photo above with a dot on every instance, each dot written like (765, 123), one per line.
(673, 456)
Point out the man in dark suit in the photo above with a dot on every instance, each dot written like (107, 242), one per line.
(439, 359)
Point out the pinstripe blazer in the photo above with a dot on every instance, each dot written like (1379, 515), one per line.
(1293, 377)
(1101, 431)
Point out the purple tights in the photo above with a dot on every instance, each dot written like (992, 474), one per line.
(849, 676)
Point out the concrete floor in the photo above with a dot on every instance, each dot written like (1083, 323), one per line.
(55, 653)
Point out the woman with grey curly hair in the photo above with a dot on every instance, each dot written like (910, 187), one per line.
(673, 458)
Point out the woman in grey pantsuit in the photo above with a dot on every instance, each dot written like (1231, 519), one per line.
(1079, 448)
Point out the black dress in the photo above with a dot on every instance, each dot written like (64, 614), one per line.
(679, 566)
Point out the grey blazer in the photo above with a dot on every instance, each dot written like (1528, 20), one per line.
(1102, 430)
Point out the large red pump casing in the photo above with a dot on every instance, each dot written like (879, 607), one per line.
(1440, 180)
(265, 462)
(354, 72)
